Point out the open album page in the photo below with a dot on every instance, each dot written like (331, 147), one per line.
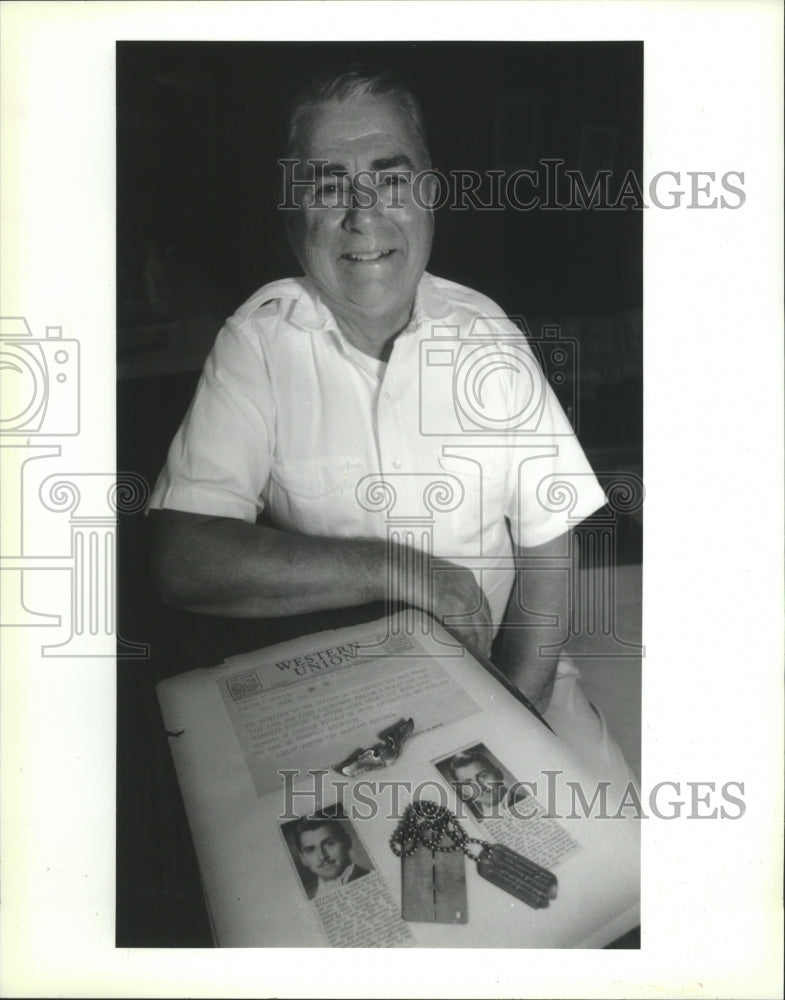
(294, 852)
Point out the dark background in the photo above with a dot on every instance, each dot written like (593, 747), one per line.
(200, 126)
(199, 129)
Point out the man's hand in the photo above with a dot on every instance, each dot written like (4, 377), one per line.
(458, 602)
(447, 591)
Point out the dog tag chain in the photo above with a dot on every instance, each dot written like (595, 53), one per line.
(428, 828)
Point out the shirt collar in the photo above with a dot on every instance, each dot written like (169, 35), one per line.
(309, 312)
(346, 873)
(429, 303)
(322, 887)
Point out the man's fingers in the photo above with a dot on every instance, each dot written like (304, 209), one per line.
(479, 616)
(485, 641)
(482, 632)
(452, 595)
(474, 638)
(483, 638)
(479, 631)
(462, 606)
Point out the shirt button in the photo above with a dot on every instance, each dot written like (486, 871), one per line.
(397, 463)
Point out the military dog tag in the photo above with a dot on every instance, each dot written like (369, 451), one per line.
(527, 881)
(433, 886)
(431, 844)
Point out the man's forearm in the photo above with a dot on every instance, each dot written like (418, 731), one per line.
(223, 566)
(229, 567)
(528, 653)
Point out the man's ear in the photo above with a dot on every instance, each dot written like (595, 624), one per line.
(429, 189)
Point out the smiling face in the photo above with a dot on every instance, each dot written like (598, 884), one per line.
(359, 234)
(480, 782)
(324, 852)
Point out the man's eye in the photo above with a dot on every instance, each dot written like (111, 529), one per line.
(329, 191)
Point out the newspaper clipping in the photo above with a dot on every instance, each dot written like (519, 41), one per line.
(355, 907)
(309, 711)
(505, 807)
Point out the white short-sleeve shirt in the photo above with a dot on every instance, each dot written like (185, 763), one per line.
(457, 445)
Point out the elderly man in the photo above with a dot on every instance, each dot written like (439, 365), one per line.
(324, 846)
(325, 404)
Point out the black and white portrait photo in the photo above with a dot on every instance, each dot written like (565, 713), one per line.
(324, 850)
(452, 327)
(482, 782)
(337, 261)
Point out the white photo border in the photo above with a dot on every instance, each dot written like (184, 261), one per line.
(712, 903)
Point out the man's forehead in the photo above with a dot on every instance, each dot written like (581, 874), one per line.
(474, 766)
(368, 128)
(320, 833)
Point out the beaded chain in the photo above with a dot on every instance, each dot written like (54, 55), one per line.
(425, 823)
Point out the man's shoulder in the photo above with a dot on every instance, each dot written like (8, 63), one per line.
(271, 323)
(270, 301)
(467, 302)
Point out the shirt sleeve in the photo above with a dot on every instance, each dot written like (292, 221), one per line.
(552, 485)
(219, 461)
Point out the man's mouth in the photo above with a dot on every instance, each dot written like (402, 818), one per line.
(367, 258)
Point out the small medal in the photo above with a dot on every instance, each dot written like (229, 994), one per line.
(433, 889)
(382, 754)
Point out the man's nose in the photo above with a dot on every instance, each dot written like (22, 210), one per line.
(359, 212)
(357, 220)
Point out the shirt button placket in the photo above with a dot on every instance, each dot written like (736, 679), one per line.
(383, 421)
(393, 447)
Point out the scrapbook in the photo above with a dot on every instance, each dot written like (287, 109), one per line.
(380, 786)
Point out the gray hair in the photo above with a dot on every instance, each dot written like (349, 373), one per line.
(353, 83)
